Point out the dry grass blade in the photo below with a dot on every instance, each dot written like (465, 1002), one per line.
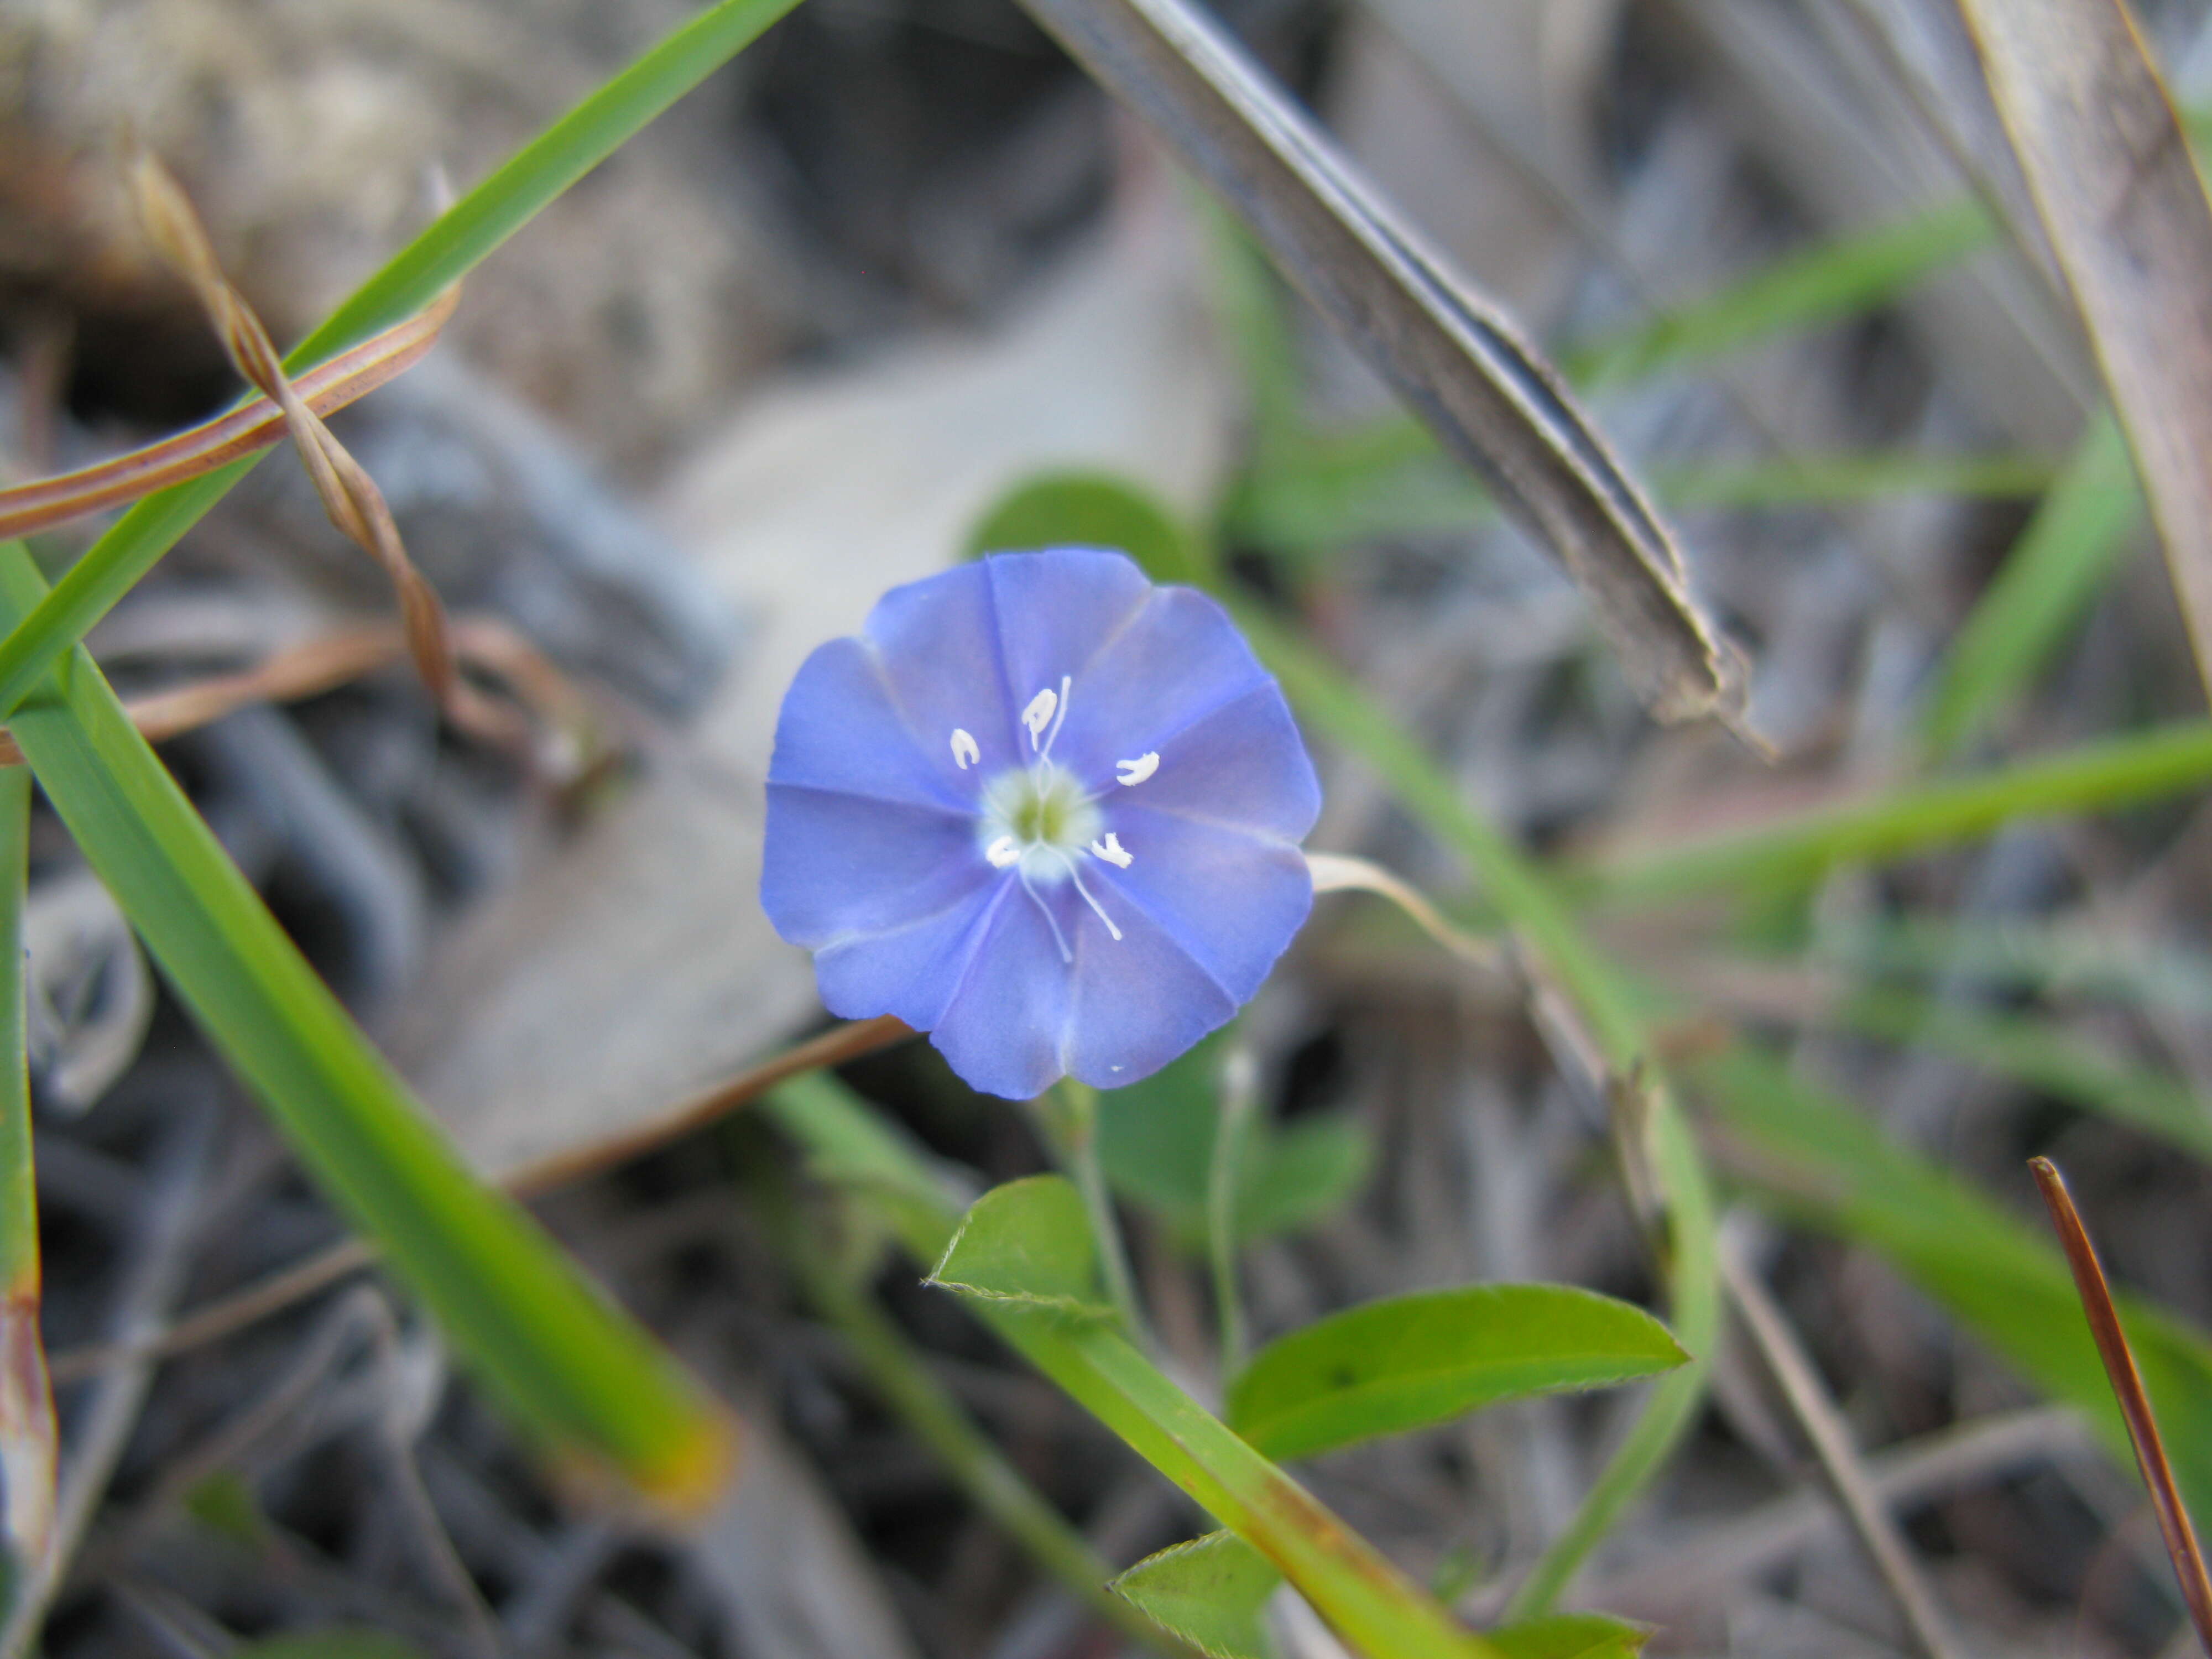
(29, 1444)
(332, 660)
(349, 494)
(832, 1047)
(2135, 1403)
(1455, 359)
(1335, 873)
(2125, 209)
(1839, 1458)
(329, 387)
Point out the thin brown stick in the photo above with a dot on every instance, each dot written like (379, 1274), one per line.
(832, 1047)
(331, 659)
(1832, 1441)
(220, 1317)
(325, 389)
(294, 1284)
(2135, 1403)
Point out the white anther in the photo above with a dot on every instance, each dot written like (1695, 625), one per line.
(1038, 714)
(1112, 851)
(1002, 852)
(965, 751)
(1136, 771)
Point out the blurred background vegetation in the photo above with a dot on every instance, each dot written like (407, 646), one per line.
(872, 297)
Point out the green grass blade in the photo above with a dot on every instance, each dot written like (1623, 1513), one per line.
(1821, 1160)
(29, 1440)
(444, 252)
(1838, 279)
(2074, 958)
(1890, 823)
(2055, 569)
(2042, 1054)
(595, 1388)
(1327, 493)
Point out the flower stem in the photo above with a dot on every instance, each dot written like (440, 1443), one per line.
(1239, 1093)
(1070, 1116)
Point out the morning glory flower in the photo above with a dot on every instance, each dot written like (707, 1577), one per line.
(1043, 811)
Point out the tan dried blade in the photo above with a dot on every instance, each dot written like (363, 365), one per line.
(2135, 1403)
(349, 494)
(325, 389)
(2120, 198)
(1453, 357)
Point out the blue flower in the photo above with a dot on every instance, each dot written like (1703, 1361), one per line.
(1045, 812)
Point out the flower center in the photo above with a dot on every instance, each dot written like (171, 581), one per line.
(1039, 817)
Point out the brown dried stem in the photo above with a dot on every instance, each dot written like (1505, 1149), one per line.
(328, 660)
(303, 1278)
(1839, 1457)
(349, 494)
(324, 389)
(2134, 1402)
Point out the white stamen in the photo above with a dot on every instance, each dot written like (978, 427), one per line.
(1098, 908)
(1050, 920)
(965, 751)
(1038, 714)
(1136, 771)
(1112, 852)
(1002, 852)
(1060, 718)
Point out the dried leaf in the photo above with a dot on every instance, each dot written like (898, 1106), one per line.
(2125, 209)
(1455, 359)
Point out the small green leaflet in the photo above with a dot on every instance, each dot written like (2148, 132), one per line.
(1028, 1244)
(1211, 1591)
(1406, 1362)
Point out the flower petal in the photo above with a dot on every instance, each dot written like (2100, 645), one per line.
(1137, 1001)
(839, 866)
(911, 971)
(1243, 766)
(1055, 610)
(1177, 660)
(1002, 1028)
(937, 643)
(839, 729)
(1230, 901)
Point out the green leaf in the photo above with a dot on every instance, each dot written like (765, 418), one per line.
(1027, 1245)
(444, 252)
(1074, 508)
(577, 1372)
(1302, 1173)
(1570, 1636)
(1211, 1591)
(1352, 1586)
(1156, 1140)
(2056, 567)
(1826, 1164)
(1406, 1362)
